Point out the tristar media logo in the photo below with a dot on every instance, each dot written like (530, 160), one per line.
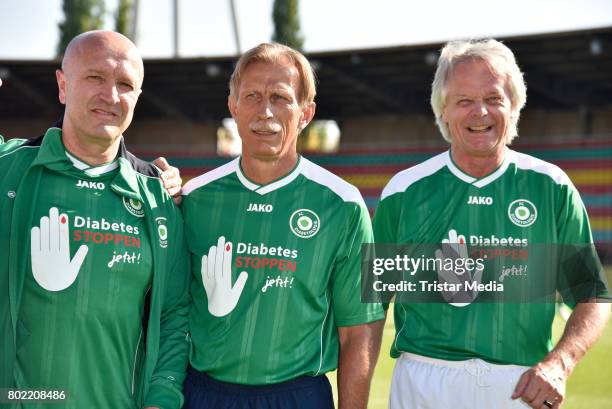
(304, 223)
(162, 231)
(522, 212)
(133, 206)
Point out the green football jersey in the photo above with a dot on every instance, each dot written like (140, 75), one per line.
(276, 268)
(83, 298)
(526, 206)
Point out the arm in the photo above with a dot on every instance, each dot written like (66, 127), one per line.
(547, 379)
(165, 388)
(359, 349)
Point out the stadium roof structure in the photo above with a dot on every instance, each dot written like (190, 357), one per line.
(566, 70)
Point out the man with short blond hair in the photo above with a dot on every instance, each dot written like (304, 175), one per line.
(276, 260)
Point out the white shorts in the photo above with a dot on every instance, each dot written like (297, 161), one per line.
(420, 382)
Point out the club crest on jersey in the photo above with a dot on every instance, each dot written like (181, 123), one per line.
(304, 223)
(162, 231)
(133, 206)
(480, 200)
(522, 212)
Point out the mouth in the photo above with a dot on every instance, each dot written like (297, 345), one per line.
(103, 113)
(479, 128)
(264, 131)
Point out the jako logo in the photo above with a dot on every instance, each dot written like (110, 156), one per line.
(480, 200)
(90, 185)
(261, 208)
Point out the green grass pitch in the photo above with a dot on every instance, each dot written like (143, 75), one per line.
(590, 385)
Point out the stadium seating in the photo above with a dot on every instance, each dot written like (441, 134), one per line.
(588, 163)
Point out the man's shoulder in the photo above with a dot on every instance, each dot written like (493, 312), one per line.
(404, 179)
(321, 176)
(17, 145)
(526, 162)
(140, 166)
(209, 177)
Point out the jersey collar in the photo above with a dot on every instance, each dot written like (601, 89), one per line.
(272, 186)
(52, 154)
(477, 182)
(92, 170)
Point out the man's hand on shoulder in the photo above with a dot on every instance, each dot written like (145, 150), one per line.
(171, 178)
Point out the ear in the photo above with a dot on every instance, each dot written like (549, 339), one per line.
(61, 85)
(444, 115)
(231, 105)
(308, 112)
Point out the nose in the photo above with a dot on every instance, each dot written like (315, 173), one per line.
(480, 109)
(265, 111)
(110, 94)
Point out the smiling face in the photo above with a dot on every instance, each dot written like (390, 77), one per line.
(266, 109)
(99, 84)
(478, 111)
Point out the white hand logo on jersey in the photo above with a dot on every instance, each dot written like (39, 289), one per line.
(50, 245)
(217, 279)
(455, 248)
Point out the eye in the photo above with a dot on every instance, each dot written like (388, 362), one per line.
(463, 102)
(496, 99)
(126, 86)
(96, 78)
(279, 98)
(250, 96)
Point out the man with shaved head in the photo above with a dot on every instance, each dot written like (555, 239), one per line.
(93, 281)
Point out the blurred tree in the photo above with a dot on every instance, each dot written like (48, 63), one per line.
(285, 15)
(123, 18)
(79, 16)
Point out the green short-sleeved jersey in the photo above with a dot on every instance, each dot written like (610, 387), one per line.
(94, 321)
(297, 242)
(524, 202)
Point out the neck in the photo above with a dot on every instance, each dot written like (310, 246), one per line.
(263, 171)
(91, 152)
(477, 166)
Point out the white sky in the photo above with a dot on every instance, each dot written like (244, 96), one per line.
(28, 28)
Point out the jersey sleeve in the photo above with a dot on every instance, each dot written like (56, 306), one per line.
(346, 278)
(165, 390)
(581, 275)
(386, 220)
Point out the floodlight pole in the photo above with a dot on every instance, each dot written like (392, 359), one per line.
(176, 28)
(236, 30)
(134, 25)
